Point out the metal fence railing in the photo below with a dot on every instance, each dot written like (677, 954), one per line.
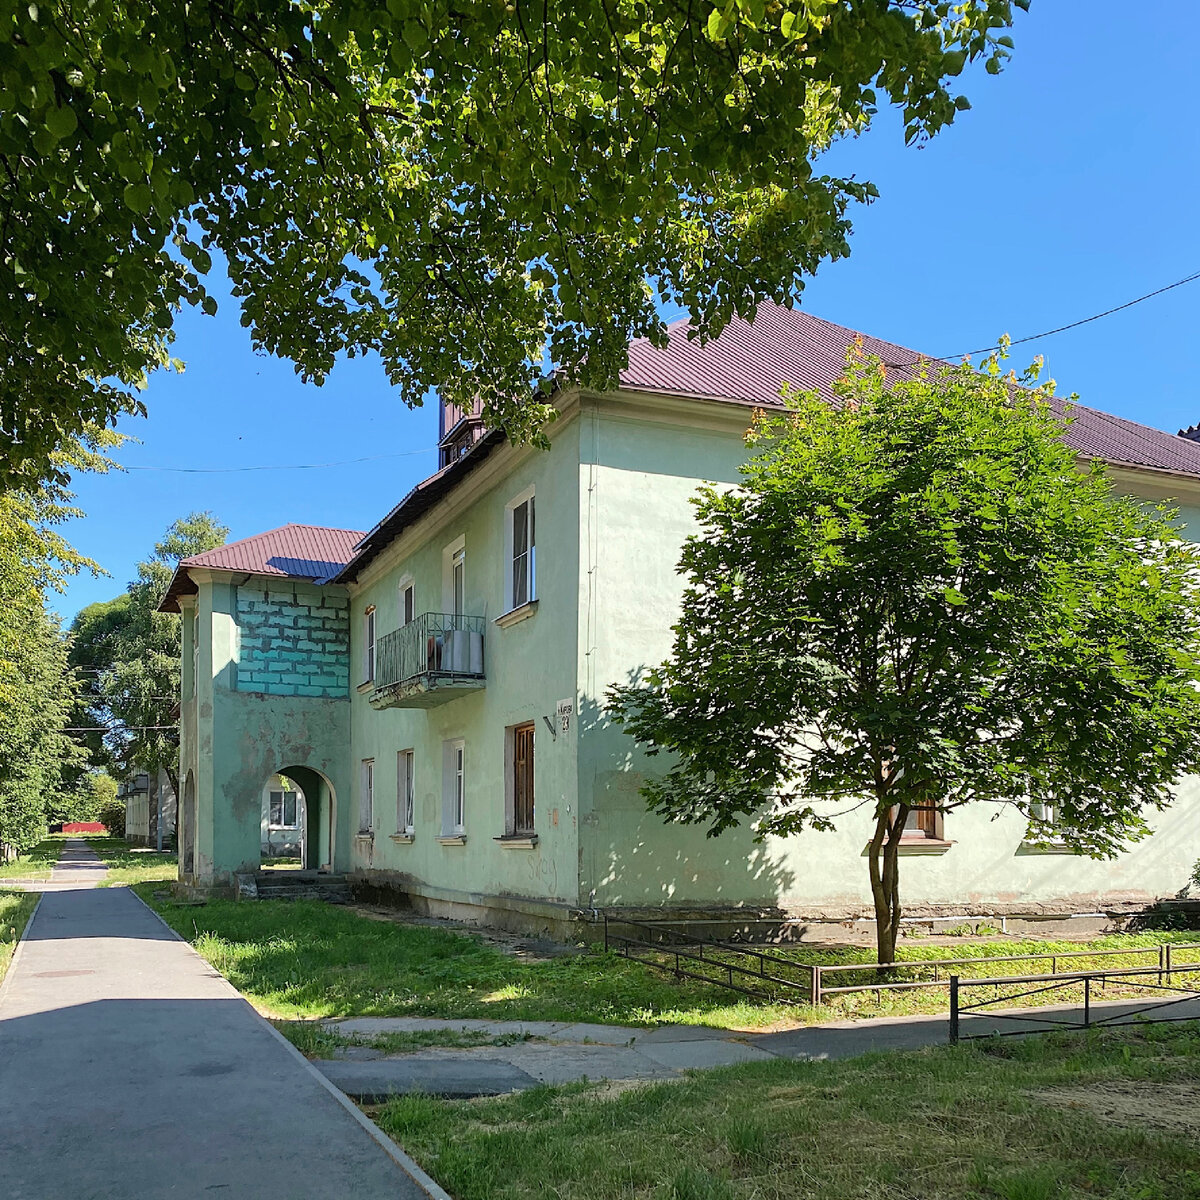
(441, 644)
(767, 973)
(1082, 1014)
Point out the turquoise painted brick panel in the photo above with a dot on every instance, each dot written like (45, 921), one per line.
(293, 645)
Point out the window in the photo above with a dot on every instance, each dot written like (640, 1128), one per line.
(519, 818)
(1041, 811)
(284, 810)
(408, 605)
(923, 823)
(453, 788)
(366, 797)
(369, 645)
(458, 582)
(523, 579)
(405, 814)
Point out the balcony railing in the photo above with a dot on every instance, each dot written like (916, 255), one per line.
(433, 658)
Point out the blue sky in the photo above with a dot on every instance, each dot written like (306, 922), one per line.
(1068, 188)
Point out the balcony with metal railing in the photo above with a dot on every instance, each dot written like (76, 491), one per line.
(432, 659)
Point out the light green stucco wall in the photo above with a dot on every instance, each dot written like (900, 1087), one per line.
(529, 667)
(636, 479)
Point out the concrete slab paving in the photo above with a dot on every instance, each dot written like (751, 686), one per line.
(682, 1056)
(566, 1062)
(686, 1033)
(380, 1026)
(604, 1035)
(129, 1067)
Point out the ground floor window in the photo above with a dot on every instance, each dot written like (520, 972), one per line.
(284, 812)
(518, 817)
(923, 823)
(366, 797)
(454, 787)
(405, 814)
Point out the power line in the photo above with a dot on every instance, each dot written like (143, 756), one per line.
(347, 462)
(1033, 337)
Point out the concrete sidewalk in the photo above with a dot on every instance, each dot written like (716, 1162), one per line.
(558, 1052)
(130, 1068)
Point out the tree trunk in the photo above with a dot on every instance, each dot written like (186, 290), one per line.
(884, 861)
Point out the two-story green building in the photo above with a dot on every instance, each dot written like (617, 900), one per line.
(436, 685)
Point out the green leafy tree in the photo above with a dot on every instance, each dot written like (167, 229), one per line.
(470, 190)
(918, 601)
(139, 684)
(37, 688)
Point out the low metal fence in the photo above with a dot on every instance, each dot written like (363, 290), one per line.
(674, 947)
(1082, 1015)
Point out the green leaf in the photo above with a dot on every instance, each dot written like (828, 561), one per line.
(139, 197)
(61, 121)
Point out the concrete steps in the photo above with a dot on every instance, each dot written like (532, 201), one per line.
(302, 885)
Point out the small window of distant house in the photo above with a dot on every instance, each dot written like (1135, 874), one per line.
(405, 805)
(454, 788)
(284, 810)
(369, 645)
(366, 796)
(519, 792)
(408, 602)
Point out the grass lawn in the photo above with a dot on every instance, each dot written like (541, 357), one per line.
(131, 864)
(37, 863)
(1106, 1114)
(15, 908)
(307, 960)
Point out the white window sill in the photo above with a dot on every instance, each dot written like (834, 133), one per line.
(519, 841)
(367, 685)
(402, 839)
(515, 615)
(452, 839)
(916, 846)
(364, 836)
(1045, 848)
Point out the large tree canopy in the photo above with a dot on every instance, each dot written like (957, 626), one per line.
(472, 190)
(918, 601)
(38, 760)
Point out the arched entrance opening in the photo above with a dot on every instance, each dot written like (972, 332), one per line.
(298, 820)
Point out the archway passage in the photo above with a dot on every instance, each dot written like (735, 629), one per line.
(297, 825)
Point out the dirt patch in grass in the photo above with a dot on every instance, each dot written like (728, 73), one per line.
(1164, 1107)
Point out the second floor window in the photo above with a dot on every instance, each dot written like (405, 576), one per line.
(408, 603)
(458, 582)
(523, 554)
(369, 645)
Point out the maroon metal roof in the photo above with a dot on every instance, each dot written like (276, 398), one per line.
(750, 362)
(312, 553)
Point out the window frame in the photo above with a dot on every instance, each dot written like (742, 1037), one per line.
(283, 823)
(455, 554)
(513, 598)
(366, 798)
(406, 588)
(929, 826)
(406, 803)
(514, 825)
(454, 787)
(369, 643)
